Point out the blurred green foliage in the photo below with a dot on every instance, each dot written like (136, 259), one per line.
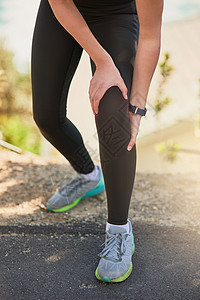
(168, 149)
(16, 123)
(15, 87)
(20, 134)
(165, 71)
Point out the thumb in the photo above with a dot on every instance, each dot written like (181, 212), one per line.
(123, 89)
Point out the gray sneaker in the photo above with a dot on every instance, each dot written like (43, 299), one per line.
(115, 264)
(69, 195)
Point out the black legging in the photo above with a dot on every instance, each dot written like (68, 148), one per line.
(55, 56)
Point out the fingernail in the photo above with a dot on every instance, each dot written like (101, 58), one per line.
(126, 96)
(129, 148)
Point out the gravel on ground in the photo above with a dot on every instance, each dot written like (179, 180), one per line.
(27, 181)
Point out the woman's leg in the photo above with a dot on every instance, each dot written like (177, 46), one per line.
(118, 34)
(55, 57)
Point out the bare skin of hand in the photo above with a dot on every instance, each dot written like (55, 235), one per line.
(135, 124)
(105, 76)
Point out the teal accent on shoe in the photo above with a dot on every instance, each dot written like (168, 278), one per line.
(106, 279)
(100, 187)
(49, 208)
(133, 244)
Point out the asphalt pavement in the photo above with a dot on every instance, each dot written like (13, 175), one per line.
(58, 262)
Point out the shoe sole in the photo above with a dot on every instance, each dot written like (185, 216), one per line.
(121, 278)
(99, 188)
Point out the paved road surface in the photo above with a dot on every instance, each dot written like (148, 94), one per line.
(58, 262)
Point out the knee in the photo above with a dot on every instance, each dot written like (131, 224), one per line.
(112, 121)
(43, 122)
(113, 107)
(112, 101)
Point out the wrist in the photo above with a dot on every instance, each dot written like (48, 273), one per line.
(137, 110)
(138, 100)
(103, 59)
(138, 104)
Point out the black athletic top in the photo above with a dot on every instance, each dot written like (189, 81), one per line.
(91, 9)
(102, 2)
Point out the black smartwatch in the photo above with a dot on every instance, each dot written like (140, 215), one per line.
(136, 110)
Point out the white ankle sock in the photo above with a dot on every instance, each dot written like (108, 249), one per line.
(94, 175)
(126, 226)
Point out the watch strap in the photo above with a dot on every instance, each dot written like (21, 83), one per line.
(136, 110)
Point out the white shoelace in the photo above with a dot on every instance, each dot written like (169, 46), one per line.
(73, 184)
(115, 246)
